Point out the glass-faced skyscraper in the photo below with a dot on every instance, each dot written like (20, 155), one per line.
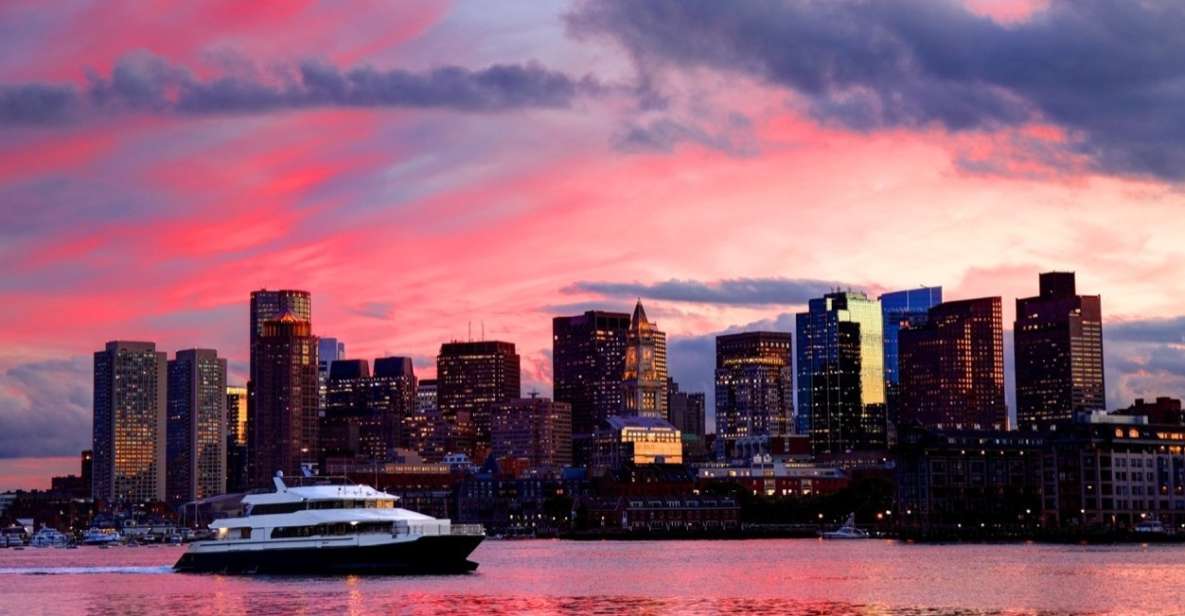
(899, 307)
(129, 423)
(1059, 352)
(196, 426)
(841, 386)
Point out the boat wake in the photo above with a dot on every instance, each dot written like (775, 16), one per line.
(82, 570)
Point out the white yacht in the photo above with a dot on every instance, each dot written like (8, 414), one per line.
(101, 536)
(48, 538)
(329, 525)
(847, 531)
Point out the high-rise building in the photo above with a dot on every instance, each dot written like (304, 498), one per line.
(644, 380)
(348, 427)
(1059, 352)
(129, 423)
(898, 308)
(87, 471)
(754, 385)
(687, 411)
(282, 420)
(534, 429)
(841, 377)
(588, 361)
(329, 350)
(471, 378)
(393, 396)
(269, 305)
(952, 367)
(236, 439)
(622, 441)
(424, 430)
(196, 453)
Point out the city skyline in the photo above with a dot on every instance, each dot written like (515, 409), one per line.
(583, 165)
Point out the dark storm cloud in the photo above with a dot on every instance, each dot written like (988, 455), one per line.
(732, 291)
(1110, 73)
(45, 408)
(145, 83)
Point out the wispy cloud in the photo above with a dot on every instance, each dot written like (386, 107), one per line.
(731, 291)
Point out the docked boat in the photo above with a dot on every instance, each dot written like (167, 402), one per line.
(101, 536)
(12, 537)
(329, 525)
(847, 531)
(48, 538)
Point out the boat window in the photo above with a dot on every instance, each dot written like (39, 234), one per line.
(322, 530)
(244, 533)
(269, 508)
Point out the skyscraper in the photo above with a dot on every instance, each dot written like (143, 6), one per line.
(471, 378)
(329, 350)
(841, 382)
(129, 423)
(349, 428)
(282, 419)
(268, 306)
(899, 307)
(237, 479)
(588, 361)
(393, 395)
(535, 429)
(952, 367)
(1059, 352)
(754, 385)
(687, 411)
(196, 451)
(424, 430)
(644, 380)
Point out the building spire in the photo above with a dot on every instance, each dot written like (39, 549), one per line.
(639, 314)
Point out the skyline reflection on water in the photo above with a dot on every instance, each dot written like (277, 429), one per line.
(642, 577)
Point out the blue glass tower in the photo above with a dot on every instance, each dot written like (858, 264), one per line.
(900, 307)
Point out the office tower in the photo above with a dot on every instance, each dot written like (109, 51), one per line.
(471, 378)
(236, 439)
(348, 425)
(282, 417)
(393, 396)
(329, 350)
(897, 308)
(754, 385)
(644, 381)
(196, 453)
(687, 410)
(588, 361)
(952, 367)
(534, 429)
(129, 423)
(268, 306)
(841, 382)
(424, 431)
(1059, 352)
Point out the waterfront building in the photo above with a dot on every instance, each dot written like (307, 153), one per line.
(682, 514)
(282, 419)
(588, 361)
(766, 476)
(636, 440)
(129, 438)
(781, 448)
(952, 367)
(1163, 410)
(754, 385)
(688, 414)
(471, 378)
(909, 307)
(1059, 352)
(644, 381)
(841, 383)
(533, 429)
(237, 479)
(196, 452)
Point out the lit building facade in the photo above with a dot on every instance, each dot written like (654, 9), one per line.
(952, 367)
(841, 382)
(329, 350)
(588, 361)
(269, 305)
(754, 385)
(196, 452)
(472, 377)
(636, 440)
(282, 420)
(644, 380)
(129, 438)
(1059, 352)
(348, 427)
(900, 308)
(236, 439)
(534, 429)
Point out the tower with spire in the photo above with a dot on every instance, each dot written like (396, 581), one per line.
(644, 381)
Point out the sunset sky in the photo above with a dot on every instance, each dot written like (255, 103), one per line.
(420, 166)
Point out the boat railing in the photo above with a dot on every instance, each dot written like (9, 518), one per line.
(471, 530)
(434, 528)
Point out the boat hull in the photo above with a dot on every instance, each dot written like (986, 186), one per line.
(433, 554)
